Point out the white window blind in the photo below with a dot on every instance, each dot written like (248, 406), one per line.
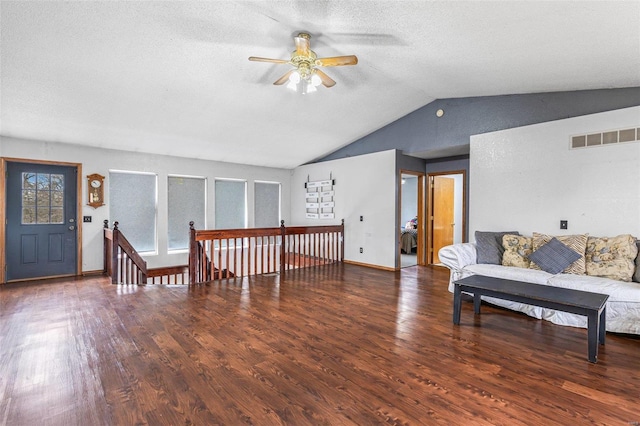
(186, 203)
(133, 204)
(231, 204)
(267, 204)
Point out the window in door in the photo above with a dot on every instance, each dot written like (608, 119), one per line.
(42, 198)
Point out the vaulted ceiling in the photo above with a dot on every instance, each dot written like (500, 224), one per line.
(173, 77)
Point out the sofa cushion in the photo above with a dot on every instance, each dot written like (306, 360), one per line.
(618, 291)
(554, 257)
(489, 246)
(577, 243)
(612, 257)
(510, 273)
(516, 250)
(636, 275)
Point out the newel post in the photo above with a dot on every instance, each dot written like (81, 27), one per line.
(282, 247)
(115, 244)
(193, 253)
(106, 252)
(342, 241)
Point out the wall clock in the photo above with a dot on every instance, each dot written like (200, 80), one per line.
(95, 190)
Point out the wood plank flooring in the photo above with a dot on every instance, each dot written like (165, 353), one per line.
(331, 345)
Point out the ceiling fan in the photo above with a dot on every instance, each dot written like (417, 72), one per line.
(306, 63)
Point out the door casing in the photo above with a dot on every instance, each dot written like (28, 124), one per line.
(420, 254)
(3, 209)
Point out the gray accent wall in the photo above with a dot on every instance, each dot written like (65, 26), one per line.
(422, 134)
(443, 142)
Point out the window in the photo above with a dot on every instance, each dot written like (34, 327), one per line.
(133, 203)
(187, 202)
(42, 198)
(267, 204)
(231, 204)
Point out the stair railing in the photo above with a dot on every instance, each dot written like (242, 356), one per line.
(215, 254)
(121, 261)
(125, 266)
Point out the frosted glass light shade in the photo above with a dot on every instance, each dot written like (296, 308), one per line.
(294, 77)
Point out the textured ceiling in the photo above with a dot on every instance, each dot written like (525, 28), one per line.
(173, 77)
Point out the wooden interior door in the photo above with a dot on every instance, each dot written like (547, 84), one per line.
(442, 214)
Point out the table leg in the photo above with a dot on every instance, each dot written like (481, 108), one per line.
(476, 303)
(593, 328)
(457, 304)
(603, 325)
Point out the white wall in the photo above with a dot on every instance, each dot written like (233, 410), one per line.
(458, 212)
(527, 178)
(365, 186)
(95, 160)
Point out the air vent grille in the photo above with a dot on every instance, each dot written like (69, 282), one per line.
(605, 138)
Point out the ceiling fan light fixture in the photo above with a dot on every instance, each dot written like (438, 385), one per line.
(292, 85)
(294, 77)
(305, 62)
(308, 88)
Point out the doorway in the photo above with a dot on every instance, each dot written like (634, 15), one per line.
(41, 238)
(411, 226)
(446, 211)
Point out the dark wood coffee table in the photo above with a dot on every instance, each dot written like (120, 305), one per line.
(592, 305)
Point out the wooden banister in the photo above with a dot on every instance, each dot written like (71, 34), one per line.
(125, 266)
(121, 261)
(227, 253)
(224, 253)
(168, 275)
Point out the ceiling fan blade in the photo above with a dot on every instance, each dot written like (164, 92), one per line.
(275, 61)
(336, 61)
(302, 46)
(326, 80)
(284, 78)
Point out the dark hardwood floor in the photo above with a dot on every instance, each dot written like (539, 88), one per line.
(331, 345)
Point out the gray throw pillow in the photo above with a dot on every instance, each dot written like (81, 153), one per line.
(489, 246)
(554, 257)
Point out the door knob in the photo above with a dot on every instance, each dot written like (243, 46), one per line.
(71, 228)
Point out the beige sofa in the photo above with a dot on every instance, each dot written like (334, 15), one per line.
(606, 265)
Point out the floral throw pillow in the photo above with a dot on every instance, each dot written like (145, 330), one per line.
(612, 257)
(577, 243)
(516, 250)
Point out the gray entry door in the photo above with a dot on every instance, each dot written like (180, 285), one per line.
(41, 229)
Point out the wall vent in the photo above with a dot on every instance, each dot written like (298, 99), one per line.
(605, 138)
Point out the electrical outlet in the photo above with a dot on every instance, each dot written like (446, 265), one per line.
(361, 218)
(361, 250)
(564, 224)
(86, 219)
